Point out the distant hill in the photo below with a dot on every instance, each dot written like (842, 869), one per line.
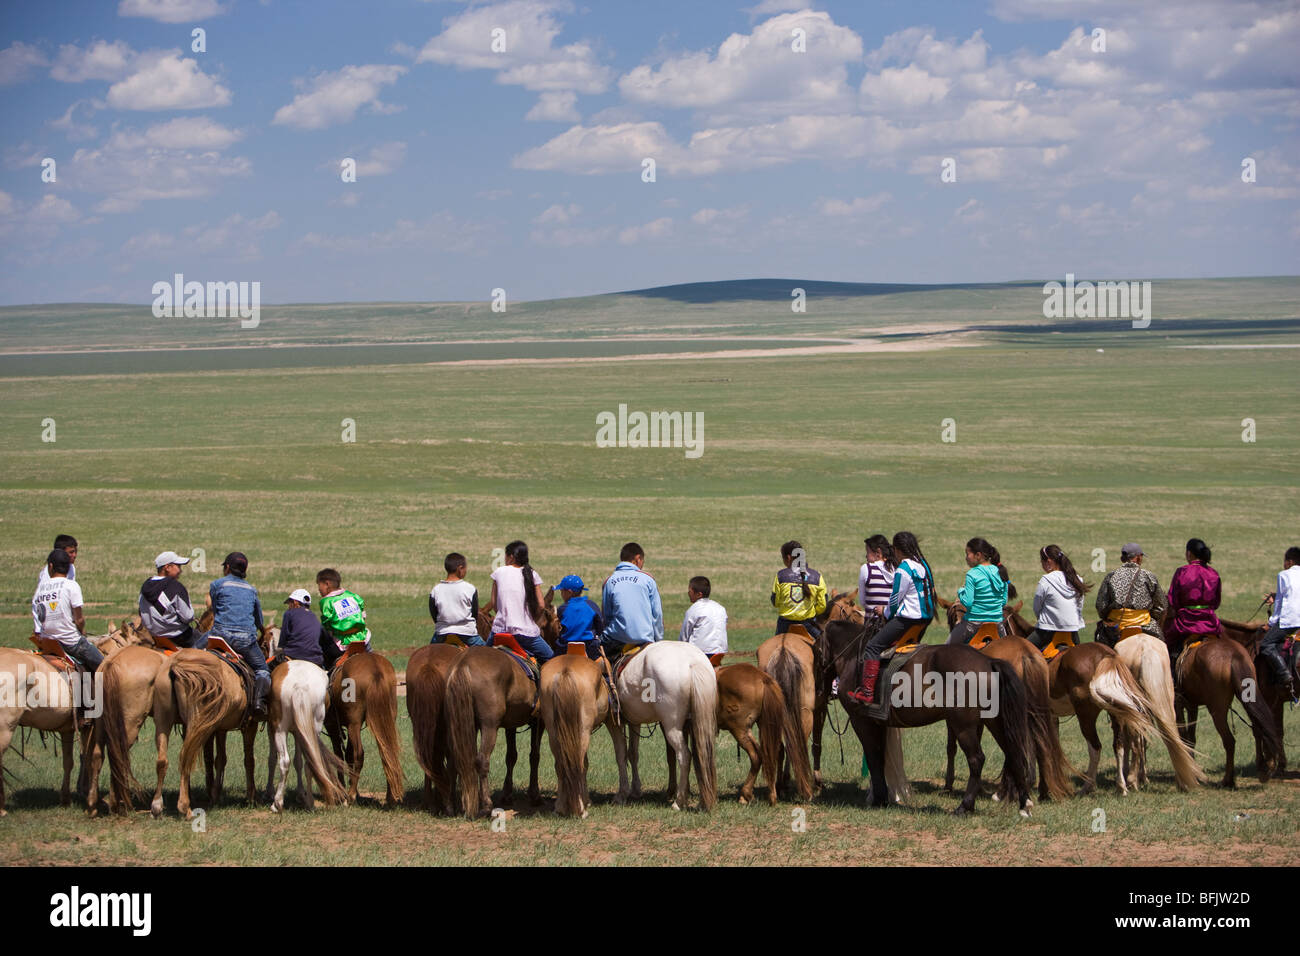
(736, 290)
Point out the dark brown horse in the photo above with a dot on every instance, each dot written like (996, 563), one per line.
(363, 690)
(426, 688)
(749, 695)
(955, 684)
(1274, 699)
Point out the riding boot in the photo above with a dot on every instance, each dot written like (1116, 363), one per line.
(866, 694)
(261, 690)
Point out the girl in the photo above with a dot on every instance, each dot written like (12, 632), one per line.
(984, 595)
(876, 577)
(1058, 600)
(1194, 595)
(517, 599)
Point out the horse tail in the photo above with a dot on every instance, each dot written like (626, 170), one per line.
(381, 714)
(1052, 764)
(1013, 712)
(787, 671)
(308, 708)
(703, 721)
(111, 731)
(1261, 718)
(567, 733)
(197, 681)
(773, 726)
(895, 773)
(1158, 683)
(422, 694)
(461, 731)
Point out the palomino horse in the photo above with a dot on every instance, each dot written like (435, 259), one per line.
(672, 683)
(748, 695)
(1270, 694)
(363, 690)
(958, 673)
(574, 701)
(205, 695)
(426, 689)
(1211, 673)
(299, 690)
(1147, 658)
(1045, 750)
(488, 690)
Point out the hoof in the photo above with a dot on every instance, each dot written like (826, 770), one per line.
(4, 813)
(997, 798)
(1024, 814)
(620, 799)
(584, 814)
(675, 806)
(744, 800)
(961, 811)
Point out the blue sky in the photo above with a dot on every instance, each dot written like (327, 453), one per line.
(522, 169)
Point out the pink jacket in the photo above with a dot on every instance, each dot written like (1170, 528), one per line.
(1194, 595)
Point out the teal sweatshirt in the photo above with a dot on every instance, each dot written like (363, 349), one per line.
(984, 594)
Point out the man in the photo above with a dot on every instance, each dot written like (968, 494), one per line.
(1130, 596)
(630, 603)
(62, 542)
(57, 614)
(300, 631)
(342, 616)
(1284, 621)
(165, 608)
(237, 617)
(798, 592)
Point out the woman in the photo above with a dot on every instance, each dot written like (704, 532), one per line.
(517, 599)
(1058, 600)
(876, 577)
(984, 595)
(1193, 597)
(911, 603)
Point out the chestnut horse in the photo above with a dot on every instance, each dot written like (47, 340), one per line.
(363, 690)
(748, 695)
(1248, 636)
(426, 689)
(574, 702)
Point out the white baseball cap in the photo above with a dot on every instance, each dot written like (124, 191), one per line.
(301, 596)
(169, 557)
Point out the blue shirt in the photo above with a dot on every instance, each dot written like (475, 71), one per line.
(300, 636)
(580, 621)
(631, 607)
(236, 610)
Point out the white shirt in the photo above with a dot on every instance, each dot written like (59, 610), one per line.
(1058, 606)
(512, 615)
(44, 577)
(1286, 606)
(455, 601)
(705, 626)
(52, 606)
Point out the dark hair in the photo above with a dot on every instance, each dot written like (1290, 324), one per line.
(700, 585)
(1200, 550)
(878, 542)
(1292, 555)
(236, 563)
(64, 541)
(906, 546)
(329, 576)
(789, 548)
(631, 551)
(59, 561)
(517, 552)
(1052, 552)
(985, 550)
(453, 562)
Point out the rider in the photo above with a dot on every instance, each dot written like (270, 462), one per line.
(300, 631)
(165, 608)
(876, 576)
(237, 617)
(57, 614)
(1058, 600)
(580, 620)
(630, 603)
(911, 602)
(517, 599)
(453, 604)
(705, 622)
(984, 595)
(342, 616)
(62, 542)
(1194, 594)
(798, 592)
(1284, 620)
(1130, 596)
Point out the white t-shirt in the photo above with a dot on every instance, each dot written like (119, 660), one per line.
(705, 626)
(455, 603)
(512, 612)
(44, 577)
(1286, 606)
(52, 606)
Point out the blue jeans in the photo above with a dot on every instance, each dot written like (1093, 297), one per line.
(1270, 648)
(86, 654)
(536, 646)
(471, 640)
(809, 625)
(246, 646)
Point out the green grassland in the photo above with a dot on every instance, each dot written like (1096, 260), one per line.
(1056, 443)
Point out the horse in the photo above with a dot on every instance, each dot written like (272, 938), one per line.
(426, 688)
(574, 702)
(204, 694)
(1147, 658)
(749, 695)
(1248, 636)
(961, 671)
(299, 690)
(487, 690)
(672, 683)
(363, 690)
(1045, 751)
(1211, 673)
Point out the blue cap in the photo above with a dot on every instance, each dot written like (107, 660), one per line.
(571, 582)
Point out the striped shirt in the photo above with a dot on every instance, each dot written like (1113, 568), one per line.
(875, 583)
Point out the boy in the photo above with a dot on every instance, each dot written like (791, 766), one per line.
(164, 605)
(300, 632)
(342, 616)
(453, 604)
(57, 614)
(62, 542)
(798, 592)
(1284, 620)
(580, 618)
(705, 623)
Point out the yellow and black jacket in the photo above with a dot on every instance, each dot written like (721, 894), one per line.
(799, 594)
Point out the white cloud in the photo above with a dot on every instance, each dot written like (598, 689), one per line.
(558, 213)
(382, 160)
(903, 89)
(333, 98)
(99, 61)
(170, 11)
(166, 81)
(68, 121)
(17, 60)
(556, 107)
(233, 238)
(858, 206)
(660, 228)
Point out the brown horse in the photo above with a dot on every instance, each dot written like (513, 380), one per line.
(363, 690)
(487, 691)
(426, 688)
(1028, 663)
(574, 702)
(1270, 694)
(748, 695)
(205, 695)
(1211, 673)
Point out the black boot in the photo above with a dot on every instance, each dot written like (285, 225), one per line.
(261, 690)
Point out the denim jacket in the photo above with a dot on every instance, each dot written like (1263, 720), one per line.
(237, 611)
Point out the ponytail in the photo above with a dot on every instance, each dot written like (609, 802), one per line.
(1200, 550)
(1055, 554)
(878, 542)
(517, 552)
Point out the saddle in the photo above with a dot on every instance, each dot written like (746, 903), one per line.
(219, 647)
(165, 644)
(1060, 641)
(907, 642)
(899, 655)
(53, 652)
(349, 651)
(984, 635)
(532, 670)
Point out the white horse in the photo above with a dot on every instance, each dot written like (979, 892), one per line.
(672, 684)
(299, 692)
(1148, 659)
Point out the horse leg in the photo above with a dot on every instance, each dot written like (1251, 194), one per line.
(746, 741)
(820, 706)
(969, 740)
(534, 758)
(1122, 757)
(634, 755)
(1229, 746)
(6, 734)
(619, 738)
(220, 737)
(160, 765)
(280, 761)
(96, 757)
(304, 783)
(356, 756)
(209, 774)
(66, 737)
(512, 755)
(271, 761)
(872, 737)
(483, 764)
(672, 765)
(1088, 727)
(677, 747)
(952, 760)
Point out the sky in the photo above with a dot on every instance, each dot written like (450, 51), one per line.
(872, 142)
